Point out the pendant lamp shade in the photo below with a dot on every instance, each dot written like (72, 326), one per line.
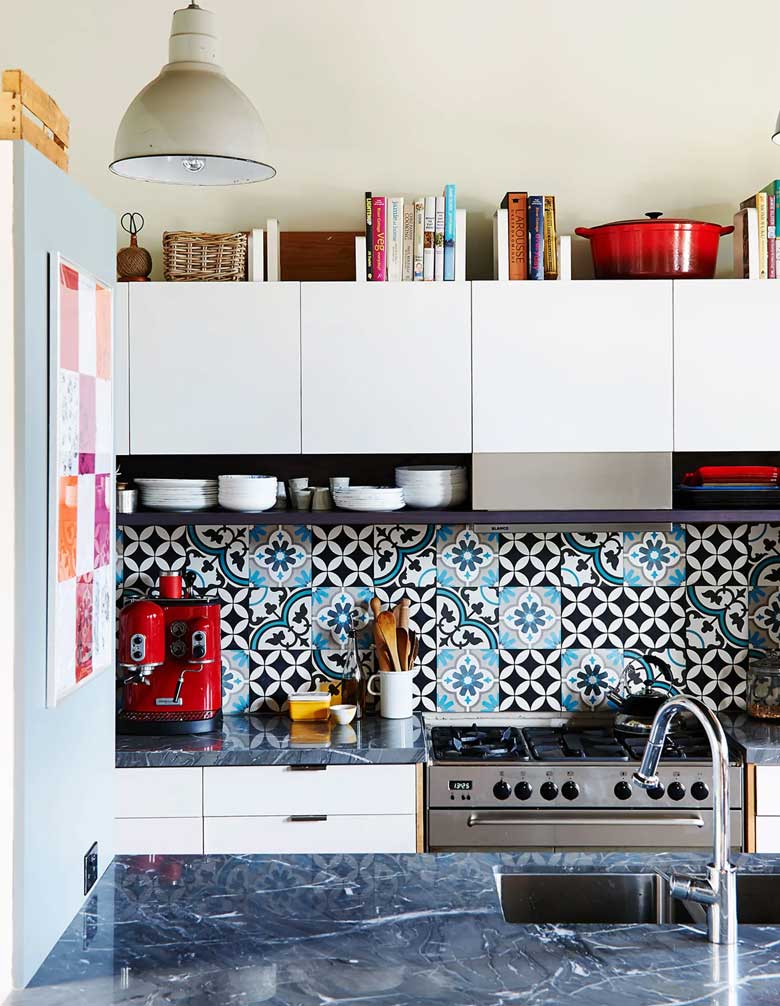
(191, 125)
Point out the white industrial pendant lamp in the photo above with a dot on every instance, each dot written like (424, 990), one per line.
(191, 125)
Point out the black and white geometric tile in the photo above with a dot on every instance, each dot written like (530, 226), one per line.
(717, 554)
(342, 556)
(529, 680)
(717, 676)
(654, 617)
(274, 675)
(593, 617)
(529, 559)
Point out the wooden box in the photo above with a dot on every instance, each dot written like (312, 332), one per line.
(28, 113)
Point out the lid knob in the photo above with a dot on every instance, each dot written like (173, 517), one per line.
(654, 215)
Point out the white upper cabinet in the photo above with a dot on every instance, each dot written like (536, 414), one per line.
(572, 367)
(215, 368)
(386, 367)
(121, 371)
(727, 361)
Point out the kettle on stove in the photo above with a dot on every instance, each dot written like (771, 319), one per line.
(636, 709)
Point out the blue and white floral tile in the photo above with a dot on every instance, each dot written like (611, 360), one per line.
(149, 551)
(592, 617)
(717, 616)
(424, 685)
(717, 554)
(234, 617)
(342, 556)
(639, 670)
(654, 557)
(654, 617)
(235, 682)
(467, 617)
(588, 675)
(274, 675)
(279, 617)
(717, 676)
(405, 555)
(591, 557)
(467, 681)
(764, 545)
(764, 618)
(332, 617)
(218, 555)
(280, 555)
(529, 680)
(530, 618)
(466, 558)
(422, 610)
(529, 559)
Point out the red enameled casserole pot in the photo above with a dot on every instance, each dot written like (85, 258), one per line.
(654, 248)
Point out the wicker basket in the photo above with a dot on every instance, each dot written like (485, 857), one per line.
(190, 257)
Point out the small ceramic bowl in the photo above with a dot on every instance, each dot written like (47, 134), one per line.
(343, 714)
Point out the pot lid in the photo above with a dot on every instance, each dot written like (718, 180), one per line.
(654, 217)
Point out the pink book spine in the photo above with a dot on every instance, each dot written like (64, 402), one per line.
(379, 227)
(771, 265)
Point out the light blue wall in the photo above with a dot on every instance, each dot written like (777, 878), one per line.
(64, 756)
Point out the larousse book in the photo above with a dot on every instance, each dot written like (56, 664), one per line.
(515, 205)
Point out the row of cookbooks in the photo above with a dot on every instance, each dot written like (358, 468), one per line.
(412, 240)
(526, 243)
(757, 235)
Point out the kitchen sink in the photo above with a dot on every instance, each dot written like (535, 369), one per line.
(598, 898)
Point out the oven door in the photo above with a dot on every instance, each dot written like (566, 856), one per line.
(452, 830)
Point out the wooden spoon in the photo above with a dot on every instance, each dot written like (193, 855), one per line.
(385, 623)
(402, 638)
(402, 613)
(382, 656)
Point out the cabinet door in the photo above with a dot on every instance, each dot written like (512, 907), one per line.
(386, 367)
(572, 367)
(726, 362)
(158, 836)
(310, 834)
(215, 368)
(158, 792)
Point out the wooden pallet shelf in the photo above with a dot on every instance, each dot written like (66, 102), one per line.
(27, 112)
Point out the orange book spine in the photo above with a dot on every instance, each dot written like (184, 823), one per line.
(516, 205)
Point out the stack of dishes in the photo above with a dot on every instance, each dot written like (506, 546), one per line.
(369, 498)
(431, 486)
(178, 494)
(247, 492)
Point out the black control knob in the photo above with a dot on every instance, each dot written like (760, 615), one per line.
(656, 792)
(523, 790)
(623, 790)
(676, 790)
(502, 790)
(699, 790)
(548, 790)
(570, 790)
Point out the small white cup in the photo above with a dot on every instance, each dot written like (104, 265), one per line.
(321, 498)
(395, 693)
(298, 484)
(302, 498)
(339, 482)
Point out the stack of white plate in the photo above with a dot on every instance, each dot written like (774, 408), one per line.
(369, 498)
(178, 494)
(432, 486)
(247, 492)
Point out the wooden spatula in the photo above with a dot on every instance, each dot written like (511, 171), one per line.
(385, 623)
(402, 613)
(382, 656)
(402, 639)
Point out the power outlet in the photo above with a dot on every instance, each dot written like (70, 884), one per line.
(90, 869)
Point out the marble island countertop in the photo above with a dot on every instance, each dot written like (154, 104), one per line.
(252, 740)
(759, 740)
(416, 930)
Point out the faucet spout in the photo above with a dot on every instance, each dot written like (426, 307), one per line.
(718, 891)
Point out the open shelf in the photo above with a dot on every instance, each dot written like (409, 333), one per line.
(326, 518)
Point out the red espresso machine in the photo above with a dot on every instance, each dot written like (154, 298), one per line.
(170, 661)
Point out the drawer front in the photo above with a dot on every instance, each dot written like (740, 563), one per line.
(159, 792)
(768, 790)
(333, 789)
(768, 834)
(345, 833)
(139, 836)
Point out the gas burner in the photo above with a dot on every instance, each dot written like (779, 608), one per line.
(562, 744)
(479, 744)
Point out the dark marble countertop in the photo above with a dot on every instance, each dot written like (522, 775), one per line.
(415, 930)
(759, 740)
(251, 740)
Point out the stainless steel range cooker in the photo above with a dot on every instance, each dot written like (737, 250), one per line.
(553, 784)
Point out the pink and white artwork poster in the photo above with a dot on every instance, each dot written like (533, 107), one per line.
(81, 479)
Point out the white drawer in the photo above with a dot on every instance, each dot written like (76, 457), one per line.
(158, 792)
(345, 833)
(768, 834)
(139, 836)
(768, 789)
(335, 789)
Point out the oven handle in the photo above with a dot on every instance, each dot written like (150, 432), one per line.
(586, 818)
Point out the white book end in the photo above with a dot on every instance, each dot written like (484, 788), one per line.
(564, 256)
(501, 245)
(360, 259)
(274, 250)
(460, 244)
(256, 263)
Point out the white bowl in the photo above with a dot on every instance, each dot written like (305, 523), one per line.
(343, 714)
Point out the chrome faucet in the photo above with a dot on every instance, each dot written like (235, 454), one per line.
(718, 891)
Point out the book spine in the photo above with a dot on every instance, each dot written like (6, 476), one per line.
(771, 223)
(378, 224)
(419, 239)
(518, 232)
(428, 237)
(536, 237)
(408, 259)
(438, 241)
(369, 236)
(450, 210)
(501, 244)
(395, 238)
(550, 239)
(460, 245)
(762, 234)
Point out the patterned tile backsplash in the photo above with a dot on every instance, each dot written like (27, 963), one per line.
(507, 622)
